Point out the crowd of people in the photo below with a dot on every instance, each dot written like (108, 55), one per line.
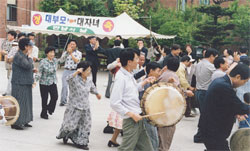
(217, 84)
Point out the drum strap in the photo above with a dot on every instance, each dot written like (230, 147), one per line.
(2, 112)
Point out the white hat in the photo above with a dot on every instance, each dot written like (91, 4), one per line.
(191, 59)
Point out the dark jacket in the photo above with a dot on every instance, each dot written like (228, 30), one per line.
(220, 107)
(139, 74)
(91, 55)
(144, 50)
(22, 69)
(167, 57)
(112, 54)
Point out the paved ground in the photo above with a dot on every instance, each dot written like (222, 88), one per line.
(41, 137)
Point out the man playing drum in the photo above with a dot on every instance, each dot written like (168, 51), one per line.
(125, 101)
(166, 134)
(221, 105)
(152, 69)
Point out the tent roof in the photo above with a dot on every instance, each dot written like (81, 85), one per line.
(125, 26)
(128, 27)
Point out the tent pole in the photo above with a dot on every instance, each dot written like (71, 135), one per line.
(70, 35)
(150, 28)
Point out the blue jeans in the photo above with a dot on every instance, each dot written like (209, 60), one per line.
(244, 124)
(65, 86)
(200, 97)
(152, 133)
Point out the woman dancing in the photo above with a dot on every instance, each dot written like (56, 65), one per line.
(77, 119)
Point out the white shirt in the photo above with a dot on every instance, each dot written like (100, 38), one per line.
(35, 52)
(203, 72)
(125, 94)
(121, 46)
(69, 62)
(217, 74)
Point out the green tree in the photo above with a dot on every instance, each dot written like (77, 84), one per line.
(173, 22)
(133, 8)
(76, 7)
(215, 28)
(241, 20)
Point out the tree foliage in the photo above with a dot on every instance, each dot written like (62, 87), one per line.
(132, 7)
(173, 22)
(215, 11)
(241, 20)
(214, 30)
(76, 7)
(209, 25)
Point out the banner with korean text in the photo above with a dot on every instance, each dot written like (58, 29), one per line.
(61, 21)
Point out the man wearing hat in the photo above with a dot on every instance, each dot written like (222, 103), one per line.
(92, 49)
(186, 62)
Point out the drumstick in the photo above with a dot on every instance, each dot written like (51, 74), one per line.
(159, 113)
(247, 123)
(9, 106)
(9, 116)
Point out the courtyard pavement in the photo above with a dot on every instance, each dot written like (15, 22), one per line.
(42, 136)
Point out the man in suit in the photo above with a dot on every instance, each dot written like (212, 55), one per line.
(92, 49)
(221, 105)
(175, 52)
(118, 38)
(243, 52)
(141, 48)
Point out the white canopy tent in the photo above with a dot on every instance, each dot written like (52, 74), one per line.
(123, 24)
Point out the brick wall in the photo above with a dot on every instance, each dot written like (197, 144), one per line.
(23, 14)
(3, 6)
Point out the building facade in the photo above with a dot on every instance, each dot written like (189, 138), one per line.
(16, 13)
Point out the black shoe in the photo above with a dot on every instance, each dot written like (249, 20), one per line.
(44, 116)
(198, 140)
(110, 144)
(17, 127)
(65, 140)
(84, 147)
(50, 113)
(27, 125)
(61, 104)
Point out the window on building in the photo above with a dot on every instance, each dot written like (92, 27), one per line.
(204, 2)
(11, 10)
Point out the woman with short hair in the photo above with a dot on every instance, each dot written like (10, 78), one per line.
(77, 117)
(48, 80)
(21, 83)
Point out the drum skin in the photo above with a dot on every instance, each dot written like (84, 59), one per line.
(240, 140)
(11, 108)
(163, 97)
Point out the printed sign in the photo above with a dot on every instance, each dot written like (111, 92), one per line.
(61, 21)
